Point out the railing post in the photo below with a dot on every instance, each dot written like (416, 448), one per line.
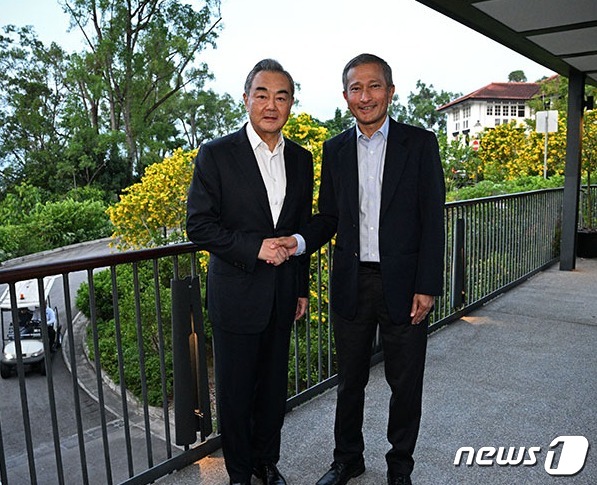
(192, 410)
(572, 171)
(457, 293)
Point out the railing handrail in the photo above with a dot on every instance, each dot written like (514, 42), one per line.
(31, 270)
(491, 198)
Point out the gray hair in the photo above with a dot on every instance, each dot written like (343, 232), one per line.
(269, 65)
(367, 59)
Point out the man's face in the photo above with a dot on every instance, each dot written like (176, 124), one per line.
(368, 96)
(269, 102)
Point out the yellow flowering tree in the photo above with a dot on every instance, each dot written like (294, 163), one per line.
(589, 168)
(310, 134)
(499, 149)
(532, 153)
(152, 212)
(512, 150)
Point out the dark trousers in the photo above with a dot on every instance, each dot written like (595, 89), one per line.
(404, 346)
(252, 383)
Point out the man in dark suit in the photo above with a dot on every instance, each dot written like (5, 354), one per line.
(382, 192)
(249, 187)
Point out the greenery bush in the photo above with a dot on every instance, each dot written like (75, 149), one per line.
(149, 340)
(132, 342)
(488, 188)
(30, 225)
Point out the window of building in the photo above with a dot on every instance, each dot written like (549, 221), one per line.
(456, 114)
(465, 125)
(497, 110)
(466, 112)
(513, 110)
(457, 126)
(521, 110)
(490, 109)
(497, 121)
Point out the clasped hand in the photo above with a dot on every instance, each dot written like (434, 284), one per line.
(277, 250)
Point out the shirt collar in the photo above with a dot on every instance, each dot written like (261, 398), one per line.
(383, 129)
(255, 140)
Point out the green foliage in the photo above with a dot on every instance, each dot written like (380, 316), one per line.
(421, 109)
(517, 76)
(148, 339)
(104, 309)
(206, 115)
(18, 203)
(142, 55)
(50, 225)
(488, 188)
(99, 116)
(152, 212)
(460, 163)
(32, 93)
(339, 123)
(67, 222)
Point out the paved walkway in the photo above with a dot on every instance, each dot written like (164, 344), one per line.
(518, 372)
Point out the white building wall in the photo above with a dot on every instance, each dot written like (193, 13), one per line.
(472, 116)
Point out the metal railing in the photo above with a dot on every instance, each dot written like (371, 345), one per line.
(107, 415)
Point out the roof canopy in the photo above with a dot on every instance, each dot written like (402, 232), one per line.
(560, 35)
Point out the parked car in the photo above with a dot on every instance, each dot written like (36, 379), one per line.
(29, 325)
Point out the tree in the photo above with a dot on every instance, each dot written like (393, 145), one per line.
(33, 92)
(421, 109)
(397, 111)
(152, 212)
(499, 148)
(310, 134)
(589, 167)
(553, 94)
(141, 54)
(517, 77)
(339, 123)
(205, 115)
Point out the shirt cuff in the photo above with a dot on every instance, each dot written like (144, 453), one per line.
(301, 245)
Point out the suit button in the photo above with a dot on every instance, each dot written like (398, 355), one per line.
(356, 255)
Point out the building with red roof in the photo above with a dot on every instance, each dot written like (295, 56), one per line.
(488, 107)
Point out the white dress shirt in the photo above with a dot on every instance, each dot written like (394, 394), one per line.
(272, 168)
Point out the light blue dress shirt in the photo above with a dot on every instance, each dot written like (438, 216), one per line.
(371, 154)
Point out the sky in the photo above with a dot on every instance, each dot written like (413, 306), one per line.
(314, 39)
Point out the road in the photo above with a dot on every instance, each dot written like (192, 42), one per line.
(36, 392)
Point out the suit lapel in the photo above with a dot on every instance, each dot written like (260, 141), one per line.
(395, 161)
(292, 180)
(247, 163)
(347, 159)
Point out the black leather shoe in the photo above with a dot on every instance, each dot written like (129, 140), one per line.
(269, 474)
(340, 473)
(399, 479)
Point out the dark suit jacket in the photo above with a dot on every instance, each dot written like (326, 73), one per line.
(411, 233)
(228, 214)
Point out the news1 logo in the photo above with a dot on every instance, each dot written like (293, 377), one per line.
(570, 451)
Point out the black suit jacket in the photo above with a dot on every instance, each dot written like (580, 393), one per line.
(228, 214)
(411, 232)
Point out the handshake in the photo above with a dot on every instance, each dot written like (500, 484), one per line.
(277, 250)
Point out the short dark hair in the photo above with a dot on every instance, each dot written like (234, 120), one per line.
(367, 59)
(270, 65)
